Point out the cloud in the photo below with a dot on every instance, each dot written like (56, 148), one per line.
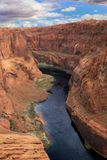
(94, 16)
(9, 25)
(11, 10)
(69, 9)
(93, 1)
(55, 21)
(30, 13)
(27, 24)
(67, 19)
(97, 1)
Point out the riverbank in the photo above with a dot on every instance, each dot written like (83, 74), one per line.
(19, 90)
(84, 103)
(66, 143)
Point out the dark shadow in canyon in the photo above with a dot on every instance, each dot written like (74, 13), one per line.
(67, 144)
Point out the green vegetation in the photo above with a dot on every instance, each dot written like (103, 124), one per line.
(12, 125)
(45, 65)
(3, 115)
(31, 110)
(39, 131)
(45, 82)
(30, 116)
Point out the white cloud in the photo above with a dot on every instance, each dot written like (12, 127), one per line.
(27, 24)
(67, 19)
(55, 21)
(69, 9)
(9, 25)
(94, 16)
(11, 10)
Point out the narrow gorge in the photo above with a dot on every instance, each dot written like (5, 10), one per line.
(79, 49)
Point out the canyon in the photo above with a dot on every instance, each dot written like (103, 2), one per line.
(78, 48)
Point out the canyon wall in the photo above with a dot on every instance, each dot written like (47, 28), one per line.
(18, 91)
(19, 76)
(75, 39)
(87, 100)
(81, 49)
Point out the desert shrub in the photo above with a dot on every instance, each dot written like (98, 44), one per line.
(31, 110)
(39, 131)
(3, 115)
(12, 125)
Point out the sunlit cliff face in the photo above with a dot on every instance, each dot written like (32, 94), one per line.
(78, 47)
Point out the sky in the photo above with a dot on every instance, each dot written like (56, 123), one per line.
(33, 13)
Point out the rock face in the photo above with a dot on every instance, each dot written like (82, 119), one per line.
(81, 49)
(76, 38)
(12, 42)
(23, 147)
(87, 100)
(58, 60)
(18, 77)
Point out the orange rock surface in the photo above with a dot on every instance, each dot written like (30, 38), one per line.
(21, 147)
(18, 87)
(76, 38)
(81, 49)
(87, 100)
(18, 77)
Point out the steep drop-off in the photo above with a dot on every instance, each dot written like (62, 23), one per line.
(87, 100)
(81, 49)
(18, 90)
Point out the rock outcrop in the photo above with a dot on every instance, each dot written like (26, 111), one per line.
(18, 90)
(87, 100)
(23, 147)
(81, 49)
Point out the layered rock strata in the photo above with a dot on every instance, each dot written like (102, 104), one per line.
(23, 147)
(80, 48)
(87, 100)
(19, 75)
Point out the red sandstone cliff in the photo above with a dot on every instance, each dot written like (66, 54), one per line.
(78, 47)
(87, 100)
(18, 87)
(76, 38)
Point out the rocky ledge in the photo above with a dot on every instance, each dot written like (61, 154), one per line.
(23, 147)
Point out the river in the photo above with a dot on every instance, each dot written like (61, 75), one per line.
(67, 144)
